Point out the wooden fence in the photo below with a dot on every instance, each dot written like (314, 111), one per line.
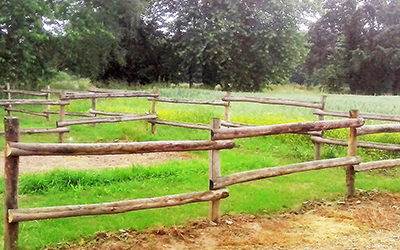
(220, 139)
(364, 130)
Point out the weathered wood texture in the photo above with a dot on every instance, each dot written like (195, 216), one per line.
(11, 174)
(351, 152)
(104, 120)
(301, 127)
(32, 102)
(30, 131)
(283, 170)
(91, 95)
(375, 129)
(26, 112)
(26, 149)
(367, 166)
(108, 113)
(189, 101)
(18, 215)
(23, 92)
(54, 112)
(181, 124)
(360, 144)
(99, 90)
(214, 172)
(276, 101)
(369, 116)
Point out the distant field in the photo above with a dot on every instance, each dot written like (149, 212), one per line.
(61, 187)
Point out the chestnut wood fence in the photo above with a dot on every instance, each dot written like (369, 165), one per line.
(220, 139)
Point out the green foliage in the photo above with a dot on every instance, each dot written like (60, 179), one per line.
(356, 44)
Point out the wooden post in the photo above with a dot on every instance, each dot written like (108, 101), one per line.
(318, 145)
(48, 106)
(11, 171)
(154, 112)
(227, 113)
(352, 151)
(94, 107)
(62, 116)
(9, 98)
(214, 172)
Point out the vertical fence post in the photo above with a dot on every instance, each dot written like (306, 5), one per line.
(9, 98)
(352, 151)
(94, 107)
(154, 112)
(62, 116)
(318, 145)
(227, 113)
(214, 172)
(11, 171)
(48, 106)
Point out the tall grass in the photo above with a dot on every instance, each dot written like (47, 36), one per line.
(268, 196)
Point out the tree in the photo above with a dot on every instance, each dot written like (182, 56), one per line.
(357, 41)
(239, 44)
(24, 43)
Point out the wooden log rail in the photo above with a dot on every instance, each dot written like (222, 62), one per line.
(283, 170)
(189, 101)
(275, 101)
(108, 113)
(32, 102)
(54, 112)
(367, 166)
(181, 124)
(367, 116)
(9, 109)
(31, 131)
(19, 215)
(243, 132)
(360, 144)
(91, 95)
(23, 92)
(14, 149)
(111, 119)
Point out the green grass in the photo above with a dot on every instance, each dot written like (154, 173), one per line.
(263, 197)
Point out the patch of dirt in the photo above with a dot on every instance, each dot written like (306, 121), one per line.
(369, 221)
(39, 164)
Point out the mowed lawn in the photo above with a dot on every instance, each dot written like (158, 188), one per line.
(263, 197)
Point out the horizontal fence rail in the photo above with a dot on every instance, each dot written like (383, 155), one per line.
(189, 101)
(30, 131)
(26, 149)
(19, 215)
(283, 170)
(112, 119)
(376, 129)
(276, 101)
(232, 133)
(90, 95)
(32, 102)
(369, 116)
(23, 92)
(367, 166)
(182, 124)
(360, 144)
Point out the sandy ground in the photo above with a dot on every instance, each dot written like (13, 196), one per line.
(369, 221)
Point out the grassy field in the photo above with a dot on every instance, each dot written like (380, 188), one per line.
(264, 197)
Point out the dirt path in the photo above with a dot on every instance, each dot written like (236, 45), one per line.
(38, 164)
(370, 221)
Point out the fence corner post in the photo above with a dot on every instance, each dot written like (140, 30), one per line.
(351, 151)
(154, 111)
(214, 173)
(318, 145)
(11, 172)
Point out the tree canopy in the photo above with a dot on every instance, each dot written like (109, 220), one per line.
(356, 44)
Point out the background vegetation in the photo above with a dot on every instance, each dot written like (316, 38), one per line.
(340, 45)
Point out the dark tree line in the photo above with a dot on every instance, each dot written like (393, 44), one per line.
(239, 44)
(356, 44)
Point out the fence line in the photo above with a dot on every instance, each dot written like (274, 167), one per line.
(15, 149)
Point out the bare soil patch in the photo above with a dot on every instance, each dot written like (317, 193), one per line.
(39, 164)
(369, 221)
